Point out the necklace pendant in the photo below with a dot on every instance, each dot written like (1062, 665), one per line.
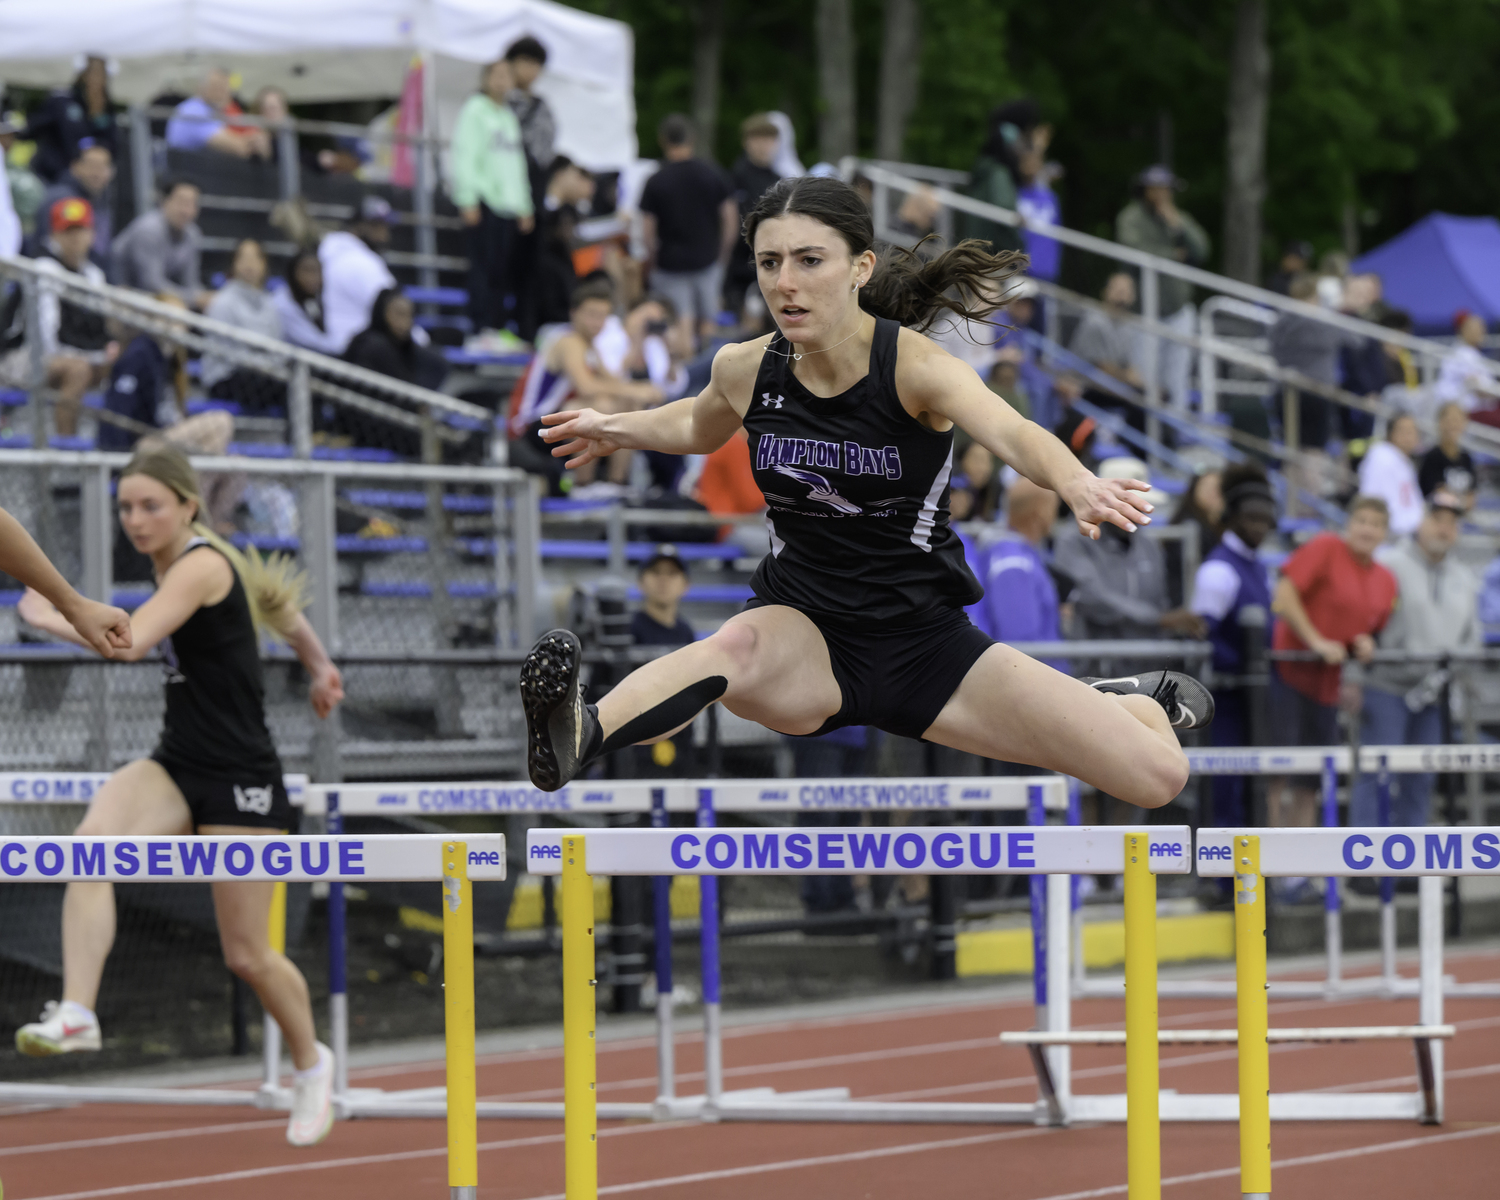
(796, 358)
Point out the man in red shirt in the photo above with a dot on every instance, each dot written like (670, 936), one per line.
(1333, 597)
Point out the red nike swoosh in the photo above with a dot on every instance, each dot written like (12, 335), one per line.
(70, 1030)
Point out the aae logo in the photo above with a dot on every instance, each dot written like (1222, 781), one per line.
(484, 858)
(546, 852)
(1166, 850)
(1212, 853)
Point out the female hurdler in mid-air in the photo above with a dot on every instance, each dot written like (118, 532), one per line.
(858, 616)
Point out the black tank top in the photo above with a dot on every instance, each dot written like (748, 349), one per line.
(216, 714)
(858, 495)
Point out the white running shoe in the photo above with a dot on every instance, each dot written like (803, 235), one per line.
(64, 1028)
(312, 1103)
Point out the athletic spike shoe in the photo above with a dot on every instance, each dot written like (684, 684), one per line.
(560, 729)
(64, 1028)
(312, 1102)
(1187, 703)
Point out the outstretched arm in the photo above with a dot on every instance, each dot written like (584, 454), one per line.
(92, 625)
(935, 382)
(694, 425)
(327, 684)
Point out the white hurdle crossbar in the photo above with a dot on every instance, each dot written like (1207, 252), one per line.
(185, 859)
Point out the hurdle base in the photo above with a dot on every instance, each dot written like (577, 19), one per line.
(842, 1110)
(1361, 986)
(391, 1107)
(67, 1094)
(1285, 1106)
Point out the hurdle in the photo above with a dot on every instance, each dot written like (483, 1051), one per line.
(594, 799)
(1054, 851)
(47, 794)
(1327, 762)
(453, 862)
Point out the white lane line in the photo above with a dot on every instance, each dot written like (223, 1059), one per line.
(156, 1135)
(796, 1164)
(333, 1163)
(1376, 1084)
(1306, 1160)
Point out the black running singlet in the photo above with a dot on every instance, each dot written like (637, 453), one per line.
(858, 496)
(216, 715)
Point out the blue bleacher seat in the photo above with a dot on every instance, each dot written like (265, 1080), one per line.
(417, 501)
(469, 358)
(453, 297)
(710, 593)
(194, 407)
(640, 551)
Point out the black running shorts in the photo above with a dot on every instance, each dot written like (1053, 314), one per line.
(258, 803)
(898, 679)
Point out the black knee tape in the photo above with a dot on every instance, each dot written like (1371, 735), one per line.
(668, 715)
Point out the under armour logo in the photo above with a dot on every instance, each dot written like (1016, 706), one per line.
(770, 401)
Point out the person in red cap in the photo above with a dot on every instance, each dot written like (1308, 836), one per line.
(76, 345)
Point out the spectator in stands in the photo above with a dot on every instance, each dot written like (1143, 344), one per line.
(1438, 614)
(354, 272)
(754, 174)
(995, 175)
(569, 190)
(492, 190)
(1104, 339)
(205, 121)
(1037, 204)
(1296, 257)
(1020, 595)
(24, 190)
(1121, 579)
(1466, 377)
(1332, 598)
(386, 345)
(76, 346)
(1387, 471)
(300, 304)
(1312, 348)
(691, 222)
(527, 58)
(1364, 365)
(161, 250)
(1153, 224)
(90, 177)
(659, 622)
(11, 231)
(1202, 504)
(244, 303)
(67, 117)
(1231, 579)
(1448, 465)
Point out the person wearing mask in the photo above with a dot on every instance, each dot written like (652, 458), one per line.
(76, 347)
(1020, 594)
(1153, 224)
(89, 178)
(995, 175)
(570, 192)
(1387, 471)
(65, 119)
(162, 250)
(387, 347)
(691, 223)
(204, 121)
(1438, 613)
(1466, 377)
(1312, 348)
(300, 305)
(244, 303)
(1448, 465)
(1037, 203)
(1332, 598)
(754, 174)
(1231, 579)
(492, 190)
(354, 272)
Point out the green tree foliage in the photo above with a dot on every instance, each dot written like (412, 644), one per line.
(1388, 106)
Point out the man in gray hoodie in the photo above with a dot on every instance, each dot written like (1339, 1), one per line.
(1437, 612)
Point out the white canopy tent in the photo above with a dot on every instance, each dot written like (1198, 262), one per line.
(339, 50)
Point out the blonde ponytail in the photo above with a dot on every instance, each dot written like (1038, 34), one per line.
(277, 590)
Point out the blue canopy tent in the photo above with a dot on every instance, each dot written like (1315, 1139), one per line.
(1441, 265)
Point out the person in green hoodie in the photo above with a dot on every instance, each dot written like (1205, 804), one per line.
(492, 191)
(993, 176)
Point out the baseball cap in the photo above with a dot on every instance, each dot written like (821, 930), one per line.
(666, 552)
(377, 208)
(72, 213)
(1160, 175)
(1443, 500)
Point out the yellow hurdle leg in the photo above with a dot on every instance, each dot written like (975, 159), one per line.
(1142, 1061)
(1254, 1019)
(580, 1111)
(458, 1017)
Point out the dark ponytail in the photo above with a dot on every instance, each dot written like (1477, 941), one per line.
(965, 280)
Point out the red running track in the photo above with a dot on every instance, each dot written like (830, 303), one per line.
(947, 1050)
